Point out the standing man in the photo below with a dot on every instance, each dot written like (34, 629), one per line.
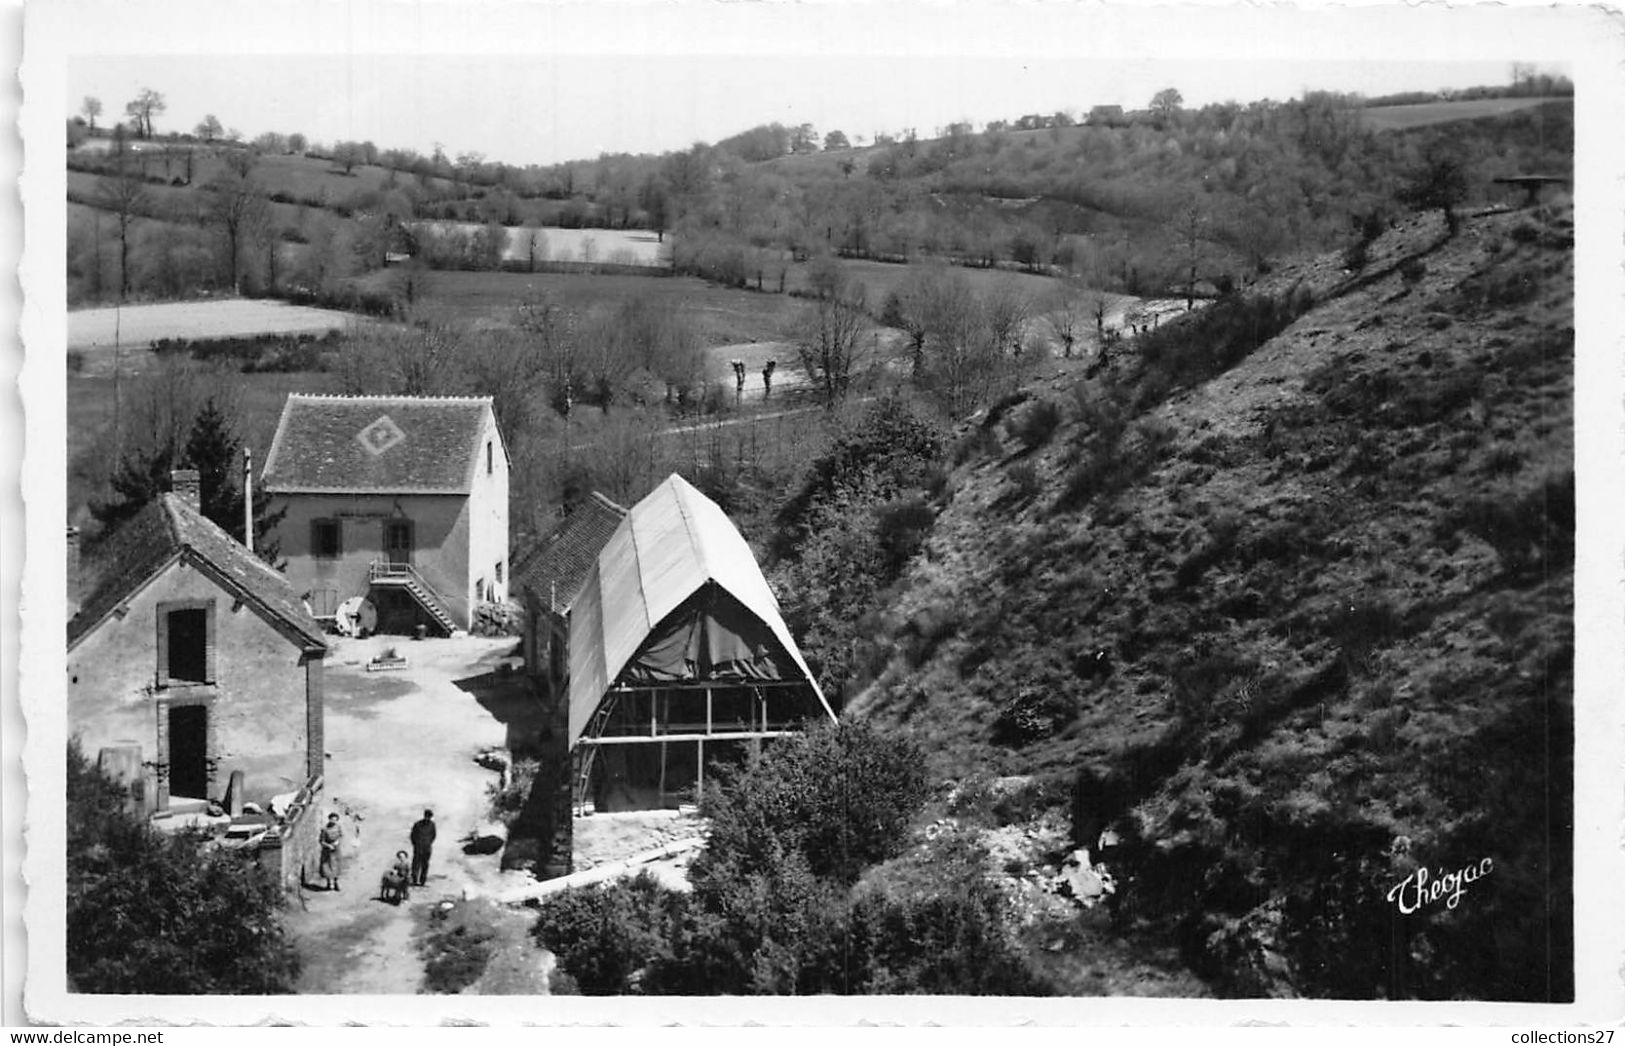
(422, 843)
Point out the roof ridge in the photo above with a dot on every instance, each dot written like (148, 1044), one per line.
(685, 513)
(393, 397)
(171, 522)
(237, 547)
(609, 503)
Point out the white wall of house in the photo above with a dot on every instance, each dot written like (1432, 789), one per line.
(262, 695)
(441, 543)
(488, 520)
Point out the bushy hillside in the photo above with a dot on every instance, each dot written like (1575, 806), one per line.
(1293, 616)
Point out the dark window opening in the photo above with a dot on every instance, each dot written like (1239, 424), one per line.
(490, 459)
(326, 539)
(188, 653)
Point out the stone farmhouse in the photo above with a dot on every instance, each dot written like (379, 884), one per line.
(398, 500)
(668, 655)
(195, 672)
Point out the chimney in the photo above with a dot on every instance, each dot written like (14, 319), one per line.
(184, 482)
(73, 570)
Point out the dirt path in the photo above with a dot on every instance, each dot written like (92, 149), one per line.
(397, 743)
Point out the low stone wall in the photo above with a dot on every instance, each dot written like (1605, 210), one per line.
(293, 857)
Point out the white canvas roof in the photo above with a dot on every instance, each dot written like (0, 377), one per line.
(669, 546)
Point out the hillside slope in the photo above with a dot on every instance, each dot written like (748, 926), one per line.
(1296, 631)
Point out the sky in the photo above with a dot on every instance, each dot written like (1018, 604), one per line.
(544, 83)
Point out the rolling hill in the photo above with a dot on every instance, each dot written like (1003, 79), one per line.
(1294, 620)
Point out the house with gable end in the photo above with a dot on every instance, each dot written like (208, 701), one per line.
(194, 671)
(399, 500)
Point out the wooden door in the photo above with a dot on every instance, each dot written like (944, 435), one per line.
(398, 541)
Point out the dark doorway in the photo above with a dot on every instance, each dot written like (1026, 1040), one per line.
(398, 540)
(189, 752)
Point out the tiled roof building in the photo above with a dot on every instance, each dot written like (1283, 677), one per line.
(168, 529)
(195, 670)
(398, 503)
(555, 567)
(377, 444)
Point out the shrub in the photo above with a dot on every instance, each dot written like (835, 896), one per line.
(843, 796)
(1033, 713)
(772, 908)
(607, 938)
(1025, 483)
(258, 353)
(1200, 345)
(950, 934)
(459, 945)
(1413, 271)
(901, 527)
(508, 799)
(978, 442)
(1530, 531)
(1035, 425)
(163, 913)
(888, 451)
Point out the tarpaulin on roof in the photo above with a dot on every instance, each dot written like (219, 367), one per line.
(710, 637)
(638, 611)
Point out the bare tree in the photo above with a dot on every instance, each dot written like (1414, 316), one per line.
(91, 108)
(549, 331)
(237, 208)
(1004, 310)
(962, 353)
(423, 358)
(829, 332)
(209, 128)
(1067, 317)
(143, 107)
(1192, 223)
(912, 307)
(126, 196)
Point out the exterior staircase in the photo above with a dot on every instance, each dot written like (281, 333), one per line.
(402, 576)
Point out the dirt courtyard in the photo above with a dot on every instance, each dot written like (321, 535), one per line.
(397, 743)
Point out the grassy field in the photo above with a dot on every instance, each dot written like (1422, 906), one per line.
(615, 246)
(140, 325)
(299, 175)
(723, 316)
(881, 278)
(1404, 117)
